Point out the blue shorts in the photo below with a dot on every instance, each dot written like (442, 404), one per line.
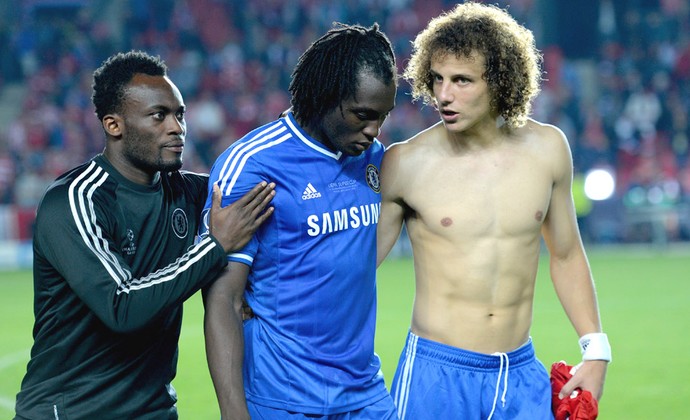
(384, 409)
(437, 381)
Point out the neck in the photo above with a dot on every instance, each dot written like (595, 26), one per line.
(129, 171)
(318, 136)
(482, 135)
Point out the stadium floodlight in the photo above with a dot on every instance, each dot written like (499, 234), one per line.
(600, 184)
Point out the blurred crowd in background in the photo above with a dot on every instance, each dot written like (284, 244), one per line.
(616, 81)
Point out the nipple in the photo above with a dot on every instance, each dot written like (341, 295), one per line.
(538, 215)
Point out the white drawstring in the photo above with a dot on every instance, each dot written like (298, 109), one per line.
(498, 382)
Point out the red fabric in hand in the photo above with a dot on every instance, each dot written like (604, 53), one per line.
(583, 406)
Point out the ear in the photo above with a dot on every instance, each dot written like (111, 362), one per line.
(113, 125)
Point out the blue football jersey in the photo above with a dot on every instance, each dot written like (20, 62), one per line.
(310, 346)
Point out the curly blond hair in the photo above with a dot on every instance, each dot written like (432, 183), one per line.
(513, 63)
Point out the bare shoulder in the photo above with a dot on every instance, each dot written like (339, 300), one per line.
(404, 160)
(416, 146)
(550, 144)
(546, 133)
(546, 139)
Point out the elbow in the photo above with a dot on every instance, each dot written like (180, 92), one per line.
(132, 319)
(218, 312)
(126, 326)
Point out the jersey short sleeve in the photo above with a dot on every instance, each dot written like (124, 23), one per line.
(236, 172)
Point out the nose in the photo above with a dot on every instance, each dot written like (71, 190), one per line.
(444, 93)
(372, 129)
(177, 126)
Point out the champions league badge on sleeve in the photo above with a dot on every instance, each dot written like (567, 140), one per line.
(373, 178)
(130, 247)
(179, 223)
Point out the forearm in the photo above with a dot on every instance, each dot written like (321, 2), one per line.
(225, 354)
(575, 289)
(574, 286)
(139, 300)
(388, 230)
(224, 335)
(123, 299)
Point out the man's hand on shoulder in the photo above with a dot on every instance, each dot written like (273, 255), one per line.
(234, 225)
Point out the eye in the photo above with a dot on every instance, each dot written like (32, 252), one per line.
(362, 116)
(180, 115)
(160, 115)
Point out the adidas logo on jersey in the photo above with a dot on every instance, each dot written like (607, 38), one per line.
(310, 192)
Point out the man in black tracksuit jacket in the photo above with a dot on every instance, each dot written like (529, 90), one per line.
(115, 257)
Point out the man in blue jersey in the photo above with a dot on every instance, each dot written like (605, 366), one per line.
(115, 256)
(309, 272)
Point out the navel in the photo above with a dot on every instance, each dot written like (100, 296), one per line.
(446, 221)
(538, 215)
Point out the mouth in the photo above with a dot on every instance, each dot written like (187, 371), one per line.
(356, 149)
(362, 146)
(448, 115)
(175, 147)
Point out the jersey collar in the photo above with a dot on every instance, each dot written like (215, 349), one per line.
(308, 140)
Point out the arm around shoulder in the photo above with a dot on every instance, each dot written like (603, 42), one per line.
(104, 280)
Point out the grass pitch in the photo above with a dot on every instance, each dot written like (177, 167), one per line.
(643, 297)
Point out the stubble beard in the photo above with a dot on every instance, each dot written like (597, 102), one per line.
(137, 155)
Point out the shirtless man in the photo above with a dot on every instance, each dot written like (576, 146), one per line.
(477, 191)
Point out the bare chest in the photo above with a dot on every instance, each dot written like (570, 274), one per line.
(496, 195)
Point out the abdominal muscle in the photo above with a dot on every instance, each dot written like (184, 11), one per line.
(474, 293)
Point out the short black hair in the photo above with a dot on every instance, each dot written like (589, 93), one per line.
(112, 77)
(326, 74)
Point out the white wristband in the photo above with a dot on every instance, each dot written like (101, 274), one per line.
(595, 346)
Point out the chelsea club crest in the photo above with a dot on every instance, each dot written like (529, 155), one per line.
(373, 178)
(179, 223)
